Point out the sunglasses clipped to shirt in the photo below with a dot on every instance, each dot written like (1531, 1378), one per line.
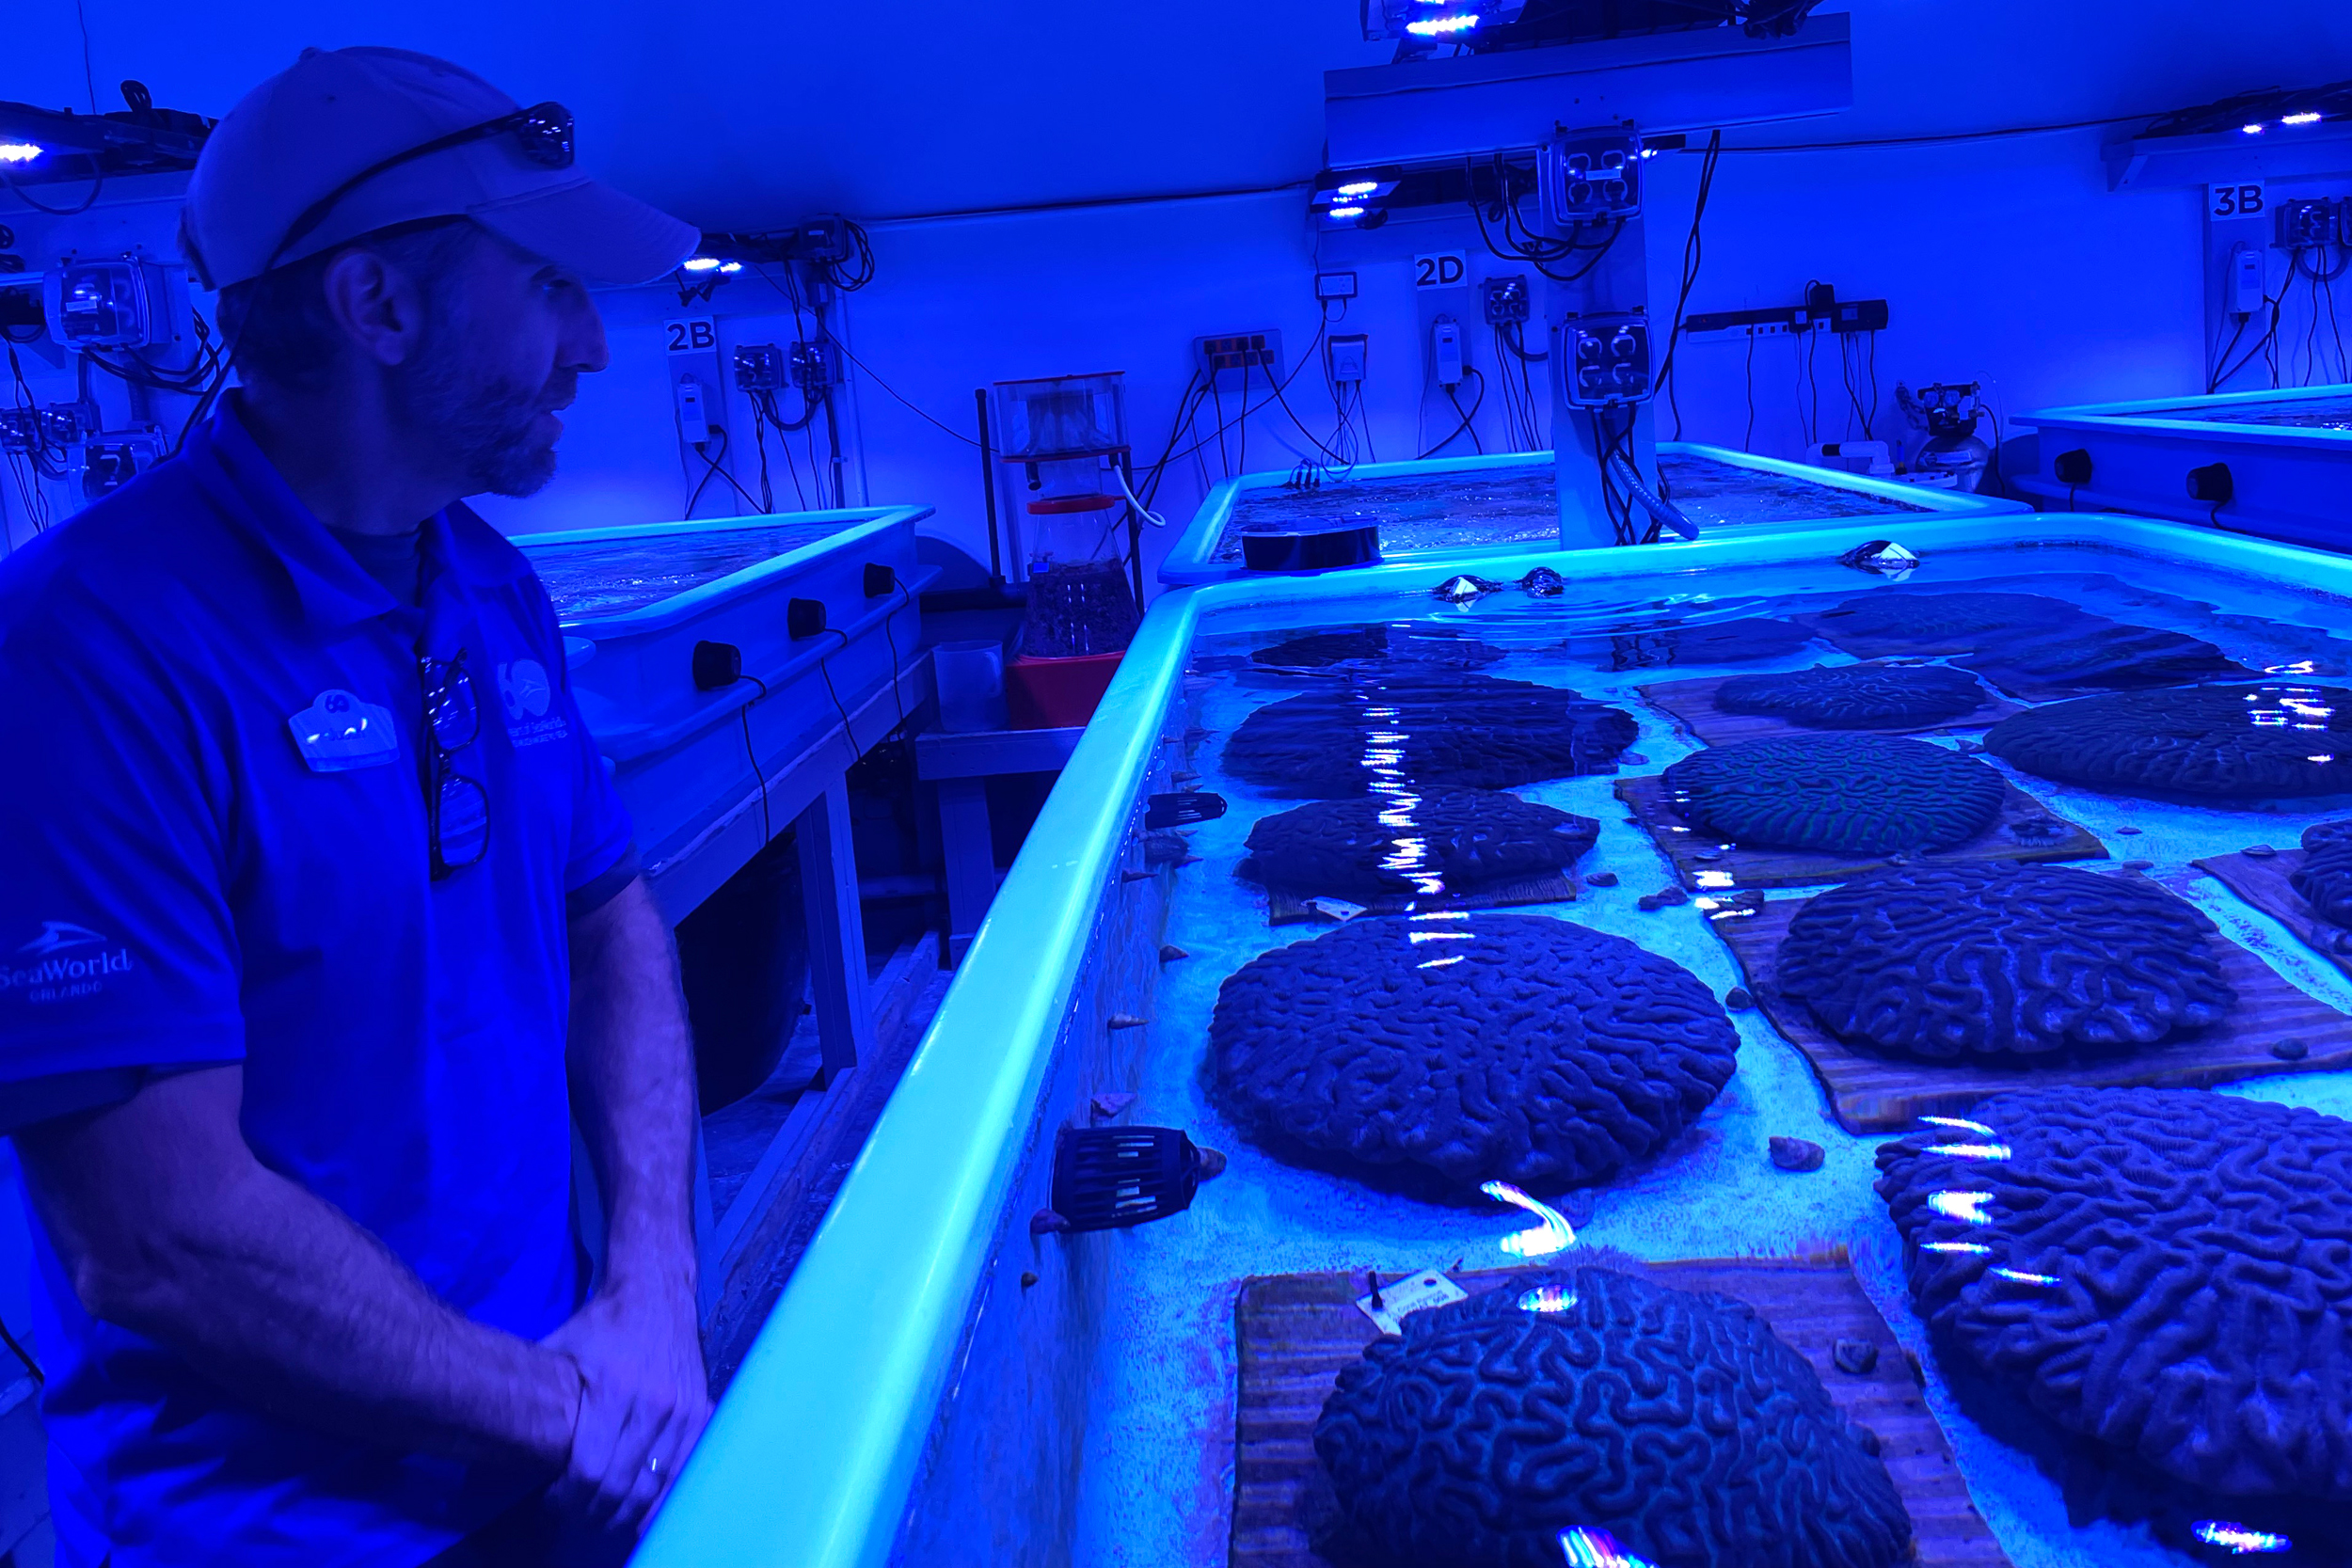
(542, 132)
(456, 808)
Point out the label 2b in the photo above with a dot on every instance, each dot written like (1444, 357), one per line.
(693, 335)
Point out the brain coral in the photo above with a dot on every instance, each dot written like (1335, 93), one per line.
(1377, 846)
(2324, 877)
(1677, 1421)
(2169, 1271)
(1851, 793)
(2234, 743)
(1904, 615)
(1855, 696)
(2107, 654)
(1411, 645)
(1426, 730)
(1998, 960)
(1435, 1053)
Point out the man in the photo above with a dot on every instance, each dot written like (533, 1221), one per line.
(320, 924)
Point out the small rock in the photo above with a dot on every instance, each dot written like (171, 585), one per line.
(2129, 832)
(1796, 1154)
(1169, 953)
(1636, 758)
(1028, 1279)
(1126, 1021)
(1671, 895)
(1648, 903)
(1737, 998)
(2138, 865)
(1601, 879)
(2289, 1049)
(2260, 852)
(1707, 855)
(1856, 1357)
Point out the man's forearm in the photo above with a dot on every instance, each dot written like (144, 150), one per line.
(274, 1292)
(633, 1089)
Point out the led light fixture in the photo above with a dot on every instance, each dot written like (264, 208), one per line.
(1347, 212)
(2308, 116)
(700, 263)
(1443, 26)
(24, 151)
(2253, 130)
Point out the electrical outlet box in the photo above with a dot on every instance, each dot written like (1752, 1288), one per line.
(1232, 356)
(694, 412)
(816, 365)
(19, 429)
(1335, 285)
(119, 302)
(111, 461)
(1586, 176)
(2307, 221)
(1445, 351)
(2242, 282)
(1345, 354)
(824, 240)
(758, 368)
(1857, 315)
(1608, 359)
(1506, 299)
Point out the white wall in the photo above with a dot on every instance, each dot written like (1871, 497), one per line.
(2005, 260)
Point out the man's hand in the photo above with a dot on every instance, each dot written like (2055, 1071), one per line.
(637, 1343)
(644, 1404)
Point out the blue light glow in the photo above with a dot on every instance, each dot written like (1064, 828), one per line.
(18, 152)
(1439, 27)
(1359, 188)
(2253, 130)
(1347, 212)
(1967, 1208)
(2308, 116)
(1586, 1547)
(700, 263)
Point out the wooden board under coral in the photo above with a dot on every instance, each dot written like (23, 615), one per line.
(1870, 1093)
(1705, 862)
(2267, 882)
(1693, 704)
(1295, 1332)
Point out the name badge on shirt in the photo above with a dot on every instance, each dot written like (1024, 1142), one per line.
(340, 732)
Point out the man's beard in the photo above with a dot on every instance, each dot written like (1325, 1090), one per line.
(481, 420)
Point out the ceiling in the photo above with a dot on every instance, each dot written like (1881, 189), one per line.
(751, 116)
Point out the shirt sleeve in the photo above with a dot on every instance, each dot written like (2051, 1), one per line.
(117, 950)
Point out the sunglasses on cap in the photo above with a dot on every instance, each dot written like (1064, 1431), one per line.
(542, 132)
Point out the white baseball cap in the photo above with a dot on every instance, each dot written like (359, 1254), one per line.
(348, 141)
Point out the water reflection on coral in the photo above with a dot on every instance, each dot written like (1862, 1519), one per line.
(1967, 1206)
(1548, 1298)
(2237, 1537)
(1555, 1234)
(1586, 1547)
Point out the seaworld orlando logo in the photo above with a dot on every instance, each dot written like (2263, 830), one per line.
(65, 961)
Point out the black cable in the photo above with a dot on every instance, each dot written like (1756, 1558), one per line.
(1694, 256)
(702, 450)
(759, 774)
(893, 392)
(1943, 137)
(2213, 375)
(1454, 397)
(25, 1356)
(1465, 425)
(1747, 442)
(1241, 426)
(890, 637)
(98, 183)
(2270, 331)
(824, 667)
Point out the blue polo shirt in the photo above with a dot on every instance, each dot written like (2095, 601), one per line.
(212, 825)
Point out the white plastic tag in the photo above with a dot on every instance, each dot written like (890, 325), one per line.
(1407, 1296)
